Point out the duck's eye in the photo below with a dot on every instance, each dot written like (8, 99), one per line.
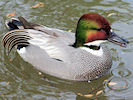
(100, 29)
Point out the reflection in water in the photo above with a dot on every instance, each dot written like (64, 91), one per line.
(119, 84)
(121, 72)
(20, 80)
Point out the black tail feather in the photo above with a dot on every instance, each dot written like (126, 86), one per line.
(11, 26)
(14, 24)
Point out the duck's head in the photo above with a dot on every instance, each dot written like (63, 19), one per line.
(92, 29)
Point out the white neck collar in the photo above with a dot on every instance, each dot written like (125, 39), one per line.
(95, 43)
(94, 52)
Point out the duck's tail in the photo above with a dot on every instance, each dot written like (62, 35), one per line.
(19, 23)
(14, 24)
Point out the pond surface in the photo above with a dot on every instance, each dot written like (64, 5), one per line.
(20, 81)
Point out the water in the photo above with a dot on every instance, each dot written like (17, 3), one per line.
(20, 81)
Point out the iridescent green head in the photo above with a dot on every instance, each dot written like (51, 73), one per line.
(92, 27)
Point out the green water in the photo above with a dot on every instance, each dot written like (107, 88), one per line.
(20, 81)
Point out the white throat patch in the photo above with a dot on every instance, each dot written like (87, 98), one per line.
(96, 43)
(94, 52)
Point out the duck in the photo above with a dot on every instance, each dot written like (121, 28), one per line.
(79, 56)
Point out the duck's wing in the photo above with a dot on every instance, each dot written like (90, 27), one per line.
(24, 33)
(56, 47)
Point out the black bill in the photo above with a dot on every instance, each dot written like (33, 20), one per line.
(114, 38)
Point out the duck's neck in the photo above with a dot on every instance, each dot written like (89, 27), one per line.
(77, 44)
(93, 47)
